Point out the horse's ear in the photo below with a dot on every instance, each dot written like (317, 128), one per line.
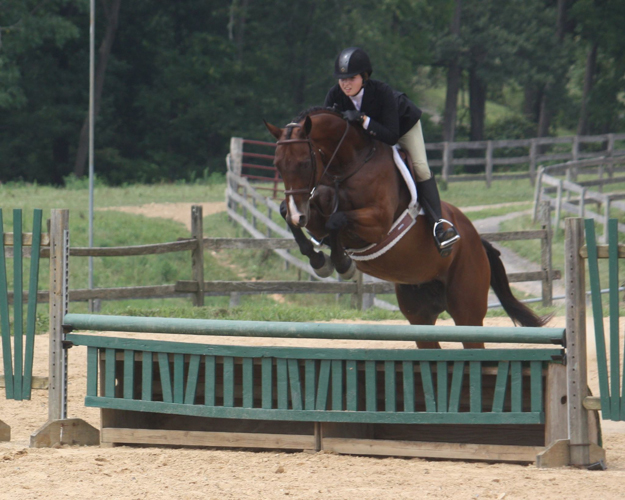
(275, 131)
(307, 126)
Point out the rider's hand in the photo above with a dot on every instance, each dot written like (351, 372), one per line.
(353, 115)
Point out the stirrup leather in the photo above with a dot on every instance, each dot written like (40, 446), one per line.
(447, 243)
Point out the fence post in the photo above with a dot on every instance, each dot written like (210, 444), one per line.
(610, 153)
(489, 163)
(606, 218)
(582, 202)
(576, 342)
(545, 254)
(197, 254)
(447, 153)
(533, 158)
(538, 193)
(558, 207)
(59, 227)
(236, 155)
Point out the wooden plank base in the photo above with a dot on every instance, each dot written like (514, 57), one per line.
(558, 454)
(453, 451)
(72, 431)
(202, 438)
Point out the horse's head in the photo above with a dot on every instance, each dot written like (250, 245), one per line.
(302, 158)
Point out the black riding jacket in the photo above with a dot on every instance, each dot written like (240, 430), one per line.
(391, 113)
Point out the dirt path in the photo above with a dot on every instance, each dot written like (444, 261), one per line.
(188, 473)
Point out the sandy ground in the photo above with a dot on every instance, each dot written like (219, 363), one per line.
(154, 473)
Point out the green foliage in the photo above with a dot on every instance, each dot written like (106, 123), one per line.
(194, 73)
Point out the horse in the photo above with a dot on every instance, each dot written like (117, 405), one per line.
(343, 187)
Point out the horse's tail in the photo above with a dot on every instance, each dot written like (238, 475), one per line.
(519, 312)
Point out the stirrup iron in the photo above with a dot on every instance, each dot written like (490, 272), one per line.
(447, 243)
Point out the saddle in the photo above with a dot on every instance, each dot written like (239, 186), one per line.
(404, 222)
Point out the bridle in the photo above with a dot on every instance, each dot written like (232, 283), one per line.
(314, 183)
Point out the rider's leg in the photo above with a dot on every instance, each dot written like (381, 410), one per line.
(444, 232)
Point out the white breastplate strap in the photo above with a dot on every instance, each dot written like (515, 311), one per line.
(400, 227)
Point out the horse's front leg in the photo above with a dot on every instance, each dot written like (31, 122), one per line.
(343, 263)
(320, 262)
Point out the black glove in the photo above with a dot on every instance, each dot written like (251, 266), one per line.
(353, 115)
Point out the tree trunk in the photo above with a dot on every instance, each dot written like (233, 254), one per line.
(477, 105)
(454, 72)
(544, 118)
(589, 80)
(111, 13)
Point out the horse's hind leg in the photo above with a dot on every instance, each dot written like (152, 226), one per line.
(468, 308)
(320, 262)
(421, 305)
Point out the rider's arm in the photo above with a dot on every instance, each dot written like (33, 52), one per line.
(383, 114)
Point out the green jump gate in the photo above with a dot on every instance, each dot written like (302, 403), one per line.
(18, 359)
(608, 344)
(473, 404)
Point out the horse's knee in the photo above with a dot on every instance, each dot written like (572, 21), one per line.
(336, 221)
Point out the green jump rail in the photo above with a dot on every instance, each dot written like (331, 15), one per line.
(273, 329)
(357, 385)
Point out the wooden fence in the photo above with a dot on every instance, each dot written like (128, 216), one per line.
(253, 159)
(559, 185)
(250, 218)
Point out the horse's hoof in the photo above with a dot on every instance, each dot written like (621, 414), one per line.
(327, 269)
(349, 274)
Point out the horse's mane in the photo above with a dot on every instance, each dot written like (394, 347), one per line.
(315, 110)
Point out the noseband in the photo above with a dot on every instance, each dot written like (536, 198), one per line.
(312, 185)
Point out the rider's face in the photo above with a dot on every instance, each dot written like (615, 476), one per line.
(351, 86)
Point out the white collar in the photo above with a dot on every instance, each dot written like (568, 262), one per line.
(357, 99)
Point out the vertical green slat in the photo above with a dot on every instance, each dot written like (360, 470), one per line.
(351, 385)
(92, 371)
(500, 386)
(475, 386)
(536, 386)
(516, 386)
(248, 383)
(408, 373)
(428, 386)
(228, 381)
(456, 386)
(371, 386)
(323, 387)
(4, 318)
(337, 384)
(192, 378)
(295, 384)
(310, 384)
(615, 377)
(109, 373)
(178, 378)
(282, 384)
(163, 366)
(129, 374)
(31, 316)
(147, 372)
(597, 313)
(267, 383)
(210, 386)
(18, 306)
(441, 385)
(390, 387)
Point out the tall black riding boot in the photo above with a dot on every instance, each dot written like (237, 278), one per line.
(444, 232)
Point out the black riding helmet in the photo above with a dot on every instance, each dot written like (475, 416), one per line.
(351, 62)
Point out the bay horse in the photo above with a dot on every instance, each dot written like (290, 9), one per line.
(344, 188)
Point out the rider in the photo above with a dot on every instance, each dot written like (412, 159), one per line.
(390, 117)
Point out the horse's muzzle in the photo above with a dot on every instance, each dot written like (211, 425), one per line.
(297, 215)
